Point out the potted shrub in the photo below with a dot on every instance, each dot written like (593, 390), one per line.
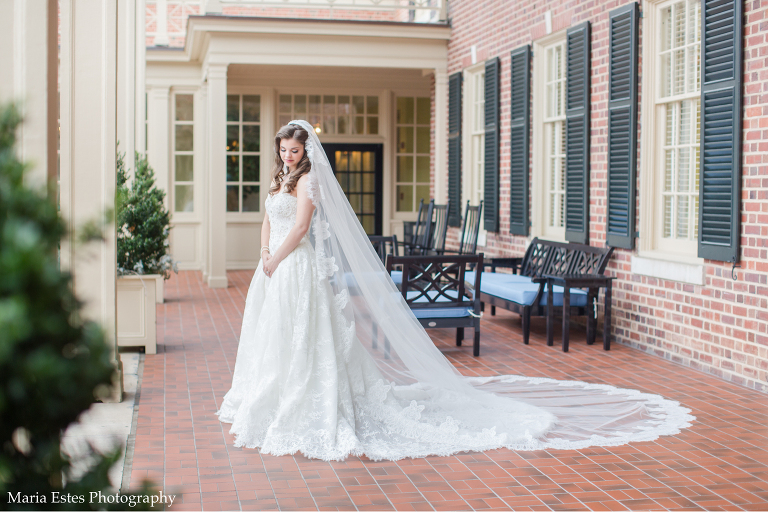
(143, 261)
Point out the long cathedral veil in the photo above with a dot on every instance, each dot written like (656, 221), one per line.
(517, 412)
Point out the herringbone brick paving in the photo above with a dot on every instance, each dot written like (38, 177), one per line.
(719, 463)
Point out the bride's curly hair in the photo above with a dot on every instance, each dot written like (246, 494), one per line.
(289, 131)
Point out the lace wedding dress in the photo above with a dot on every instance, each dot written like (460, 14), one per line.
(309, 377)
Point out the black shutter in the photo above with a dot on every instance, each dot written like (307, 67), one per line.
(520, 105)
(491, 189)
(720, 161)
(577, 135)
(454, 149)
(622, 127)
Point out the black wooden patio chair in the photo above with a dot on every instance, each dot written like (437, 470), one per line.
(436, 291)
(421, 230)
(439, 229)
(384, 245)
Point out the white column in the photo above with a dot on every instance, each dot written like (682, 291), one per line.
(161, 15)
(88, 120)
(126, 84)
(28, 75)
(216, 121)
(202, 174)
(140, 102)
(441, 136)
(158, 143)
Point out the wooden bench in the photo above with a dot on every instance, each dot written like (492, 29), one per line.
(525, 292)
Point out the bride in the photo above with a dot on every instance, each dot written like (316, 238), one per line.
(311, 375)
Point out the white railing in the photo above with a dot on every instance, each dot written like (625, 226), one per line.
(167, 19)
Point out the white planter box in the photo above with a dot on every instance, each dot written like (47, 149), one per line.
(159, 295)
(136, 315)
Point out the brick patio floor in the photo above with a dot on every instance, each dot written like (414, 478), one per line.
(720, 463)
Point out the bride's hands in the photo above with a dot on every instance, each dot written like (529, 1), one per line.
(269, 264)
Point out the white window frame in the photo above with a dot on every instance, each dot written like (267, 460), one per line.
(473, 141)
(651, 243)
(541, 139)
(414, 183)
(192, 153)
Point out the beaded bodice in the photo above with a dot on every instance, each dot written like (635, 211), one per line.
(281, 208)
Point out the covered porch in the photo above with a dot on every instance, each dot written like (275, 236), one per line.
(719, 463)
(375, 92)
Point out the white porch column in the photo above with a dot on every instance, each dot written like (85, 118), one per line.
(216, 121)
(161, 15)
(140, 102)
(28, 75)
(88, 178)
(158, 144)
(126, 85)
(441, 135)
(202, 174)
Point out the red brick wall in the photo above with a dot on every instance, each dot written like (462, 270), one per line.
(721, 327)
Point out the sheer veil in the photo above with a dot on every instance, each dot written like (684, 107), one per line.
(466, 413)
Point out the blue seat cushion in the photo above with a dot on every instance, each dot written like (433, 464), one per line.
(397, 277)
(441, 312)
(521, 290)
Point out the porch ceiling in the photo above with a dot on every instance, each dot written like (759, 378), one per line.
(280, 41)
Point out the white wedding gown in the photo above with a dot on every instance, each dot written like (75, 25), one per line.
(304, 382)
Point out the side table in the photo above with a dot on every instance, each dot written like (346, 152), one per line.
(568, 281)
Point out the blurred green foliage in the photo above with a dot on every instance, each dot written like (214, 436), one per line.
(53, 363)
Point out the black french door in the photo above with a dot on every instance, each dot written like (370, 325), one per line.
(358, 167)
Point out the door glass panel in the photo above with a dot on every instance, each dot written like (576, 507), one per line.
(356, 172)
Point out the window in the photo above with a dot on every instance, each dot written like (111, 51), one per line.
(554, 142)
(243, 153)
(413, 160)
(474, 123)
(183, 156)
(331, 114)
(678, 113)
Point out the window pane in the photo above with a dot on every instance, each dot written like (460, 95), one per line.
(329, 105)
(184, 137)
(405, 198)
(422, 192)
(373, 126)
(369, 182)
(423, 110)
(251, 108)
(251, 167)
(373, 105)
(422, 169)
(233, 138)
(368, 161)
(233, 168)
(355, 160)
(405, 169)
(300, 104)
(184, 199)
(285, 104)
(355, 180)
(405, 110)
(369, 224)
(343, 126)
(184, 168)
(344, 105)
(358, 104)
(369, 203)
(356, 202)
(184, 107)
(422, 139)
(233, 107)
(284, 119)
(232, 198)
(251, 137)
(359, 124)
(250, 198)
(314, 104)
(329, 124)
(405, 139)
